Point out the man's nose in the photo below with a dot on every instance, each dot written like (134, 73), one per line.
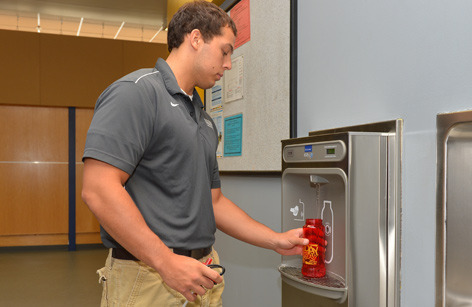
(227, 65)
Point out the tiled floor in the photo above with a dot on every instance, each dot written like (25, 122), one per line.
(50, 276)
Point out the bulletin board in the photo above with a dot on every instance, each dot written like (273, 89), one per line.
(251, 103)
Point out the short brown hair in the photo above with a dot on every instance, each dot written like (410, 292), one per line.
(202, 15)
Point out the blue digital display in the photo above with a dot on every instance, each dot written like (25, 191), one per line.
(308, 148)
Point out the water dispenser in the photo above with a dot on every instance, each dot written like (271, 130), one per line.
(349, 179)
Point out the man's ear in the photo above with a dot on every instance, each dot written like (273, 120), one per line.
(196, 38)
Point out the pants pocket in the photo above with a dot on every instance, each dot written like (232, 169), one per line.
(102, 279)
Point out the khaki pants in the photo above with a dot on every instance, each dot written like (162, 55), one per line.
(133, 283)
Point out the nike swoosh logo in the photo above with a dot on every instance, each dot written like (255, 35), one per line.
(173, 104)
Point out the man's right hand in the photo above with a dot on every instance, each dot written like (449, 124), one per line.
(187, 275)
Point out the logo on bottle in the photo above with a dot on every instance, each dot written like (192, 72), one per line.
(310, 254)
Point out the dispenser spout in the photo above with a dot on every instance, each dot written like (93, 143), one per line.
(315, 179)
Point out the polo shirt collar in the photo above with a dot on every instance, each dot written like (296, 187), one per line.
(171, 83)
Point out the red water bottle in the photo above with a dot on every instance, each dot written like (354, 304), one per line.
(314, 252)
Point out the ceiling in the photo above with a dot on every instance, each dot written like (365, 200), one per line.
(138, 20)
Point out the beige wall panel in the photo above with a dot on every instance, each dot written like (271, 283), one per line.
(75, 70)
(33, 198)
(33, 134)
(88, 238)
(137, 55)
(83, 118)
(34, 240)
(85, 220)
(19, 67)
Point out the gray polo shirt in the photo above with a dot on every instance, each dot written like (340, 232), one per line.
(146, 126)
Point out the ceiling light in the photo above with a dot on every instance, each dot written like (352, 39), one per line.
(158, 31)
(121, 27)
(80, 25)
(39, 24)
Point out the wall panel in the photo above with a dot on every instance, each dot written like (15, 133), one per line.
(33, 175)
(33, 240)
(33, 134)
(33, 198)
(75, 70)
(138, 55)
(59, 70)
(19, 66)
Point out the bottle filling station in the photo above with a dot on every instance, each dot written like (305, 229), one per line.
(350, 178)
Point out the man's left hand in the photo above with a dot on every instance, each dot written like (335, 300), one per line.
(291, 242)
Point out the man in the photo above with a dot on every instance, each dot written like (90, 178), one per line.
(151, 174)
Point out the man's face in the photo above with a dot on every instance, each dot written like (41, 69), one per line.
(214, 58)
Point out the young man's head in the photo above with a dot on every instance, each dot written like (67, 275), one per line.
(202, 15)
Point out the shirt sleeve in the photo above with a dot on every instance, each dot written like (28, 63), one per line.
(121, 127)
(215, 180)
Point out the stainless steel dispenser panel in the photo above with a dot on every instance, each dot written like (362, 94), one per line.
(368, 220)
(454, 210)
(458, 269)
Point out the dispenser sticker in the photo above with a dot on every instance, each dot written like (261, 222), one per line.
(308, 152)
(299, 211)
(328, 221)
(310, 254)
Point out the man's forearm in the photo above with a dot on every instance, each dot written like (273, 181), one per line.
(233, 221)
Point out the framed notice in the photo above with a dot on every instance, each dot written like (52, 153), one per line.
(241, 15)
(234, 80)
(233, 137)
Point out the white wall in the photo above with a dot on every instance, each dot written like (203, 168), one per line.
(252, 278)
(370, 60)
